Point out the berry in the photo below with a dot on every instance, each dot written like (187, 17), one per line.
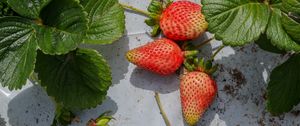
(197, 92)
(183, 20)
(161, 56)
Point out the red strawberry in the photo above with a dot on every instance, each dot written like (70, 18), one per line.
(183, 20)
(161, 56)
(197, 92)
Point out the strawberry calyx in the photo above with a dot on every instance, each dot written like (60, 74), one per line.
(190, 54)
(187, 45)
(102, 120)
(200, 64)
(188, 66)
(155, 9)
(206, 66)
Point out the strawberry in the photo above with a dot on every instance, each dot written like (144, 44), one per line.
(102, 120)
(180, 20)
(197, 92)
(162, 56)
(183, 20)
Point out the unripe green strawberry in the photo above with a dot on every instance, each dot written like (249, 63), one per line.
(161, 56)
(102, 120)
(197, 92)
(183, 20)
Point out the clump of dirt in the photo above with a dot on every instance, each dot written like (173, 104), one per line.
(221, 67)
(138, 39)
(264, 96)
(296, 112)
(261, 122)
(242, 49)
(238, 77)
(273, 122)
(229, 89)
(254, 49)
(2, 121)
(256, 101)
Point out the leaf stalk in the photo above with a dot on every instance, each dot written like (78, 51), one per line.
(204, 43)
(135, 9)
(267, 2)
(214, 55)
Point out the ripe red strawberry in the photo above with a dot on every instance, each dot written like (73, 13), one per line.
(183, 20)
(197, 92)
(161, 56)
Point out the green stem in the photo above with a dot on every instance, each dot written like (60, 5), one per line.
(168, 1)
(135, 9)
(214, 55)
(188, 66)
(161, 110)
(267, 2)
(191, 53)
(39, 21)
(34, 78)
(204, 43)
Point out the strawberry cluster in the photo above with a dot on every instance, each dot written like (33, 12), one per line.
(179, 21)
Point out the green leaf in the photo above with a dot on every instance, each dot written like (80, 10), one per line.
(292, 27)
(276, 3)
(284, 86)
(236, 22)
(294, 16)
(28, 8)
(62, 28)
(6, 10)
(264, 43)
(292, 5)
(54, 41)
(106, 21)
(17, 51)
(78, 80)
(278, 35)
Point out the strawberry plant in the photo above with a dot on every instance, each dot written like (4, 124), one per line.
(40, 40)
(272, 24)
